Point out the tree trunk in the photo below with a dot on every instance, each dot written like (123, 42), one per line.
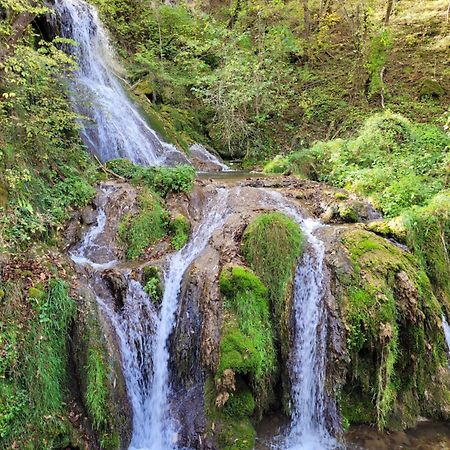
(390, 7)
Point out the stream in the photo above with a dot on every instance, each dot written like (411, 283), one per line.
(115, 128)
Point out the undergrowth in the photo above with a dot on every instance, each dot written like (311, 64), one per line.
(162, 180)
(146, 227)
(33, 379)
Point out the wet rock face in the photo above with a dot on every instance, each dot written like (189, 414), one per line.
(92, 336)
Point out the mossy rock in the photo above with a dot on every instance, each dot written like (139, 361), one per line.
(98, 367)
(430, 88)
(390, 313)
(143, 229)
(238, 434)
(229, 431)
(144, 87)
(347, 213)
(272, 245)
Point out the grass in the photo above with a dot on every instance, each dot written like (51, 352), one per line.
(33, 379)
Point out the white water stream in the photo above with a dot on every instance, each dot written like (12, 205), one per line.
(446, 327)
(308, 429)
(113, 128)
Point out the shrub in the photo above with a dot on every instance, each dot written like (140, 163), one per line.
(162, 180)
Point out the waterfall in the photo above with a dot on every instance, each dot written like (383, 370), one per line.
(143, 333)
(446, 327)
(113, 127)
(158, 432)
(308, 429)
(207, 159)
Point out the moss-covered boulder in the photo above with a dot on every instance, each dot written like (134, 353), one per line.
(394, 335)
(272, 244)
(245, 377)
(143, 229)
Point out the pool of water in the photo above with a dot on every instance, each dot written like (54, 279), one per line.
(427, 435)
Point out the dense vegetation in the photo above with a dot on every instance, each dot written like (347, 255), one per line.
(352, 93)
(258, 77)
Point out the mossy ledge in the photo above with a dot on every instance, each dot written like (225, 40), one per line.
(272, 245)
(394, 336)
(241, 388)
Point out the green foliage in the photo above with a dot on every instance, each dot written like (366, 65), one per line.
(43, 166)
(428, 234)
(279, 164)
(272, 244)
(146, 227)
(396, 163)
(376, 60)
(390, 313)
(162, 180)
(33, 378)
(152, 282)
(180, 228)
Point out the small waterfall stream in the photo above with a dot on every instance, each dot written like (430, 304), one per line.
(114, 127)
(308, 429)
(446, 327)
(157, 432)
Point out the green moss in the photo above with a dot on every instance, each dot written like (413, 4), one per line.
(272, 244)
(230, 428)
(145, 228)
(247, 346)
(96, 388)
(35, 293)
(240, 404)
(180, 228)
(390, 314)
(428, 235)
(153, 284)
(97, 397)
(347, 213)
(237, 435)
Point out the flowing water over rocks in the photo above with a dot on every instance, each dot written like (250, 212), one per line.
(114, 128)
(446, 327)
(159, 343)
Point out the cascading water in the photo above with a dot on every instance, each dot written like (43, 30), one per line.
(446, 327)
(158, 432)
(115, 128)
(142, 333)
(308, 429)
(207, 158)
